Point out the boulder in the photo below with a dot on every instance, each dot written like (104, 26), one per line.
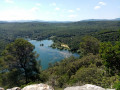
(38, 87)
(1, 88)
(86, 87)
(15, 88)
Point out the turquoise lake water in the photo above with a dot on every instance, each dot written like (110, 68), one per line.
(49, 55)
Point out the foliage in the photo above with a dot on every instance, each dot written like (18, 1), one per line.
(20, 65)
(107, 35)
(117, 85)
(67, 33)
(91, 75)
(89, 69)
(69, 70)
(89, 44)
(111, 57)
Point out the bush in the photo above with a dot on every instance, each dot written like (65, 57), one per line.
(117, 85)
(90, 75)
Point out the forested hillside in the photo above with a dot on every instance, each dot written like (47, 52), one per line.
(97, 42)
(68, 33)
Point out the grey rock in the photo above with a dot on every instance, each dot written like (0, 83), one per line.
(86, 87)
(15, 88)
(38, 87)
(1, 88)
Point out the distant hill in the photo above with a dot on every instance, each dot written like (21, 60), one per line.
(95, 20)
(117, 19)
(23, 21)
(37, 21)
(3, 21)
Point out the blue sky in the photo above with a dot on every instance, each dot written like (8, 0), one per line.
(59, 10)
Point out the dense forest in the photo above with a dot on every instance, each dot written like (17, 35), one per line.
(68, 33)
(97, 42)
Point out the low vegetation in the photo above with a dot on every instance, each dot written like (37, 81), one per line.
(97, 42)
(91, 68)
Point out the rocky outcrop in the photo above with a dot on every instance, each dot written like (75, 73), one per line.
(86, 87)
(1, 88)
(47, 87)
(15, 88)
(38, 87)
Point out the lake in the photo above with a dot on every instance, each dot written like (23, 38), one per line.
(49, 55)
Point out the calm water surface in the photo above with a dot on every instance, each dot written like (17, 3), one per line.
(49, 55)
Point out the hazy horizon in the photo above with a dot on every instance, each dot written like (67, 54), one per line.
(54, 20)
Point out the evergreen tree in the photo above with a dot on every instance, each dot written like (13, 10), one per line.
(89, 44)
(20, 64)
(111, 57)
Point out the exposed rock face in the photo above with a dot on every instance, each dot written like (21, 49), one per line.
(1, 88)
(38, 87)
(15, 88)
(86, 87)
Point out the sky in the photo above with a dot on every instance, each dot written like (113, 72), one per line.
(59, 10)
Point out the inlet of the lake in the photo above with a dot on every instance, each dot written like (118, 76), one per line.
(49, 55)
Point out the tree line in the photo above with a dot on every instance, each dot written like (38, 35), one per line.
(98, 62)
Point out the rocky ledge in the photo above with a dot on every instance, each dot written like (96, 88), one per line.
(47, 87)
(86, 87)
(38, 87)
(1, 88)
(34, 87)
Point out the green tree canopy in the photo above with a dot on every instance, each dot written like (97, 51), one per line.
(111, 56)
(20, 64)
(89, 44)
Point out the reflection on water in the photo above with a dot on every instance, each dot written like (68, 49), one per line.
(49, 55)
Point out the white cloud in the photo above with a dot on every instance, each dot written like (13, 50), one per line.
(57, 8)
(97, 7)
(78, 9)
(102, 3)
(9, 1)
(72, 16)
(17, 14)
(38, 4)
(53, 4)
(34, 9)
(71, 11)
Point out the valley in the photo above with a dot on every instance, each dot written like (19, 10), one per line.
(59, 54)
